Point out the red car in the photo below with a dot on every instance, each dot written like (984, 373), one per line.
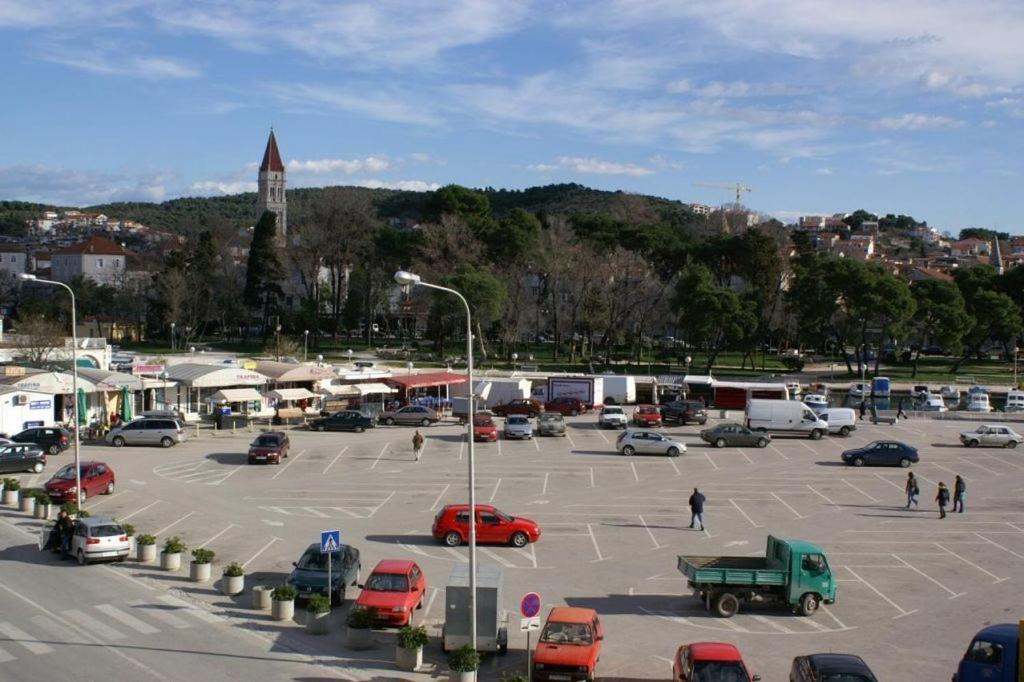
(451, 526)
(569, 645)
(484, 428)
(269, 448)
(710, 661)
(97, 478)
(393, 591)
(566, 406)
(531, 408)
(647, 415)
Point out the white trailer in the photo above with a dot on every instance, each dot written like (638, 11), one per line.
(589, 390)
(21, 409)
(622, 388)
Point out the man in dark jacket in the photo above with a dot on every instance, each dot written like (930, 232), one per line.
(942, 497)
(959, 492)
(697, 509)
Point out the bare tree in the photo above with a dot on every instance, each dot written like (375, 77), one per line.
(38, 338)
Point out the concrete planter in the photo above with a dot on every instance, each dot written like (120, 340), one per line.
(231, 585)
(318, 623)
(28, 505)
(43, 511)
(454, 676)
(408, 659)
(261, 597)
(282, 609)
(10, 497)
(359, 639)
(199, 573)
(170, 562)
(146, 553)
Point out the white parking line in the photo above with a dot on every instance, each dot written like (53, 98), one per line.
(139, 511)
(966, 462)
(903, 612)
(809, 487)
(430, 602)
(945, 468)
(230, 526)
(592, 477)
(996, 544)
(733, 502)
(336, 457)
(786, 505)
(745, 455)
(291, 460)
(671, 460)
(601, 433)
(499, 446)
(571, 441)
(593, 539)
(386, 500)
(495, 491)
(26, 640)
(636, 476)
(647, 528)
(892, 483)
(457, 555)
(531, 555)
(262, 550)
(535, 444)
(771, 623)
(952, 594)
(711, 460)
(108, 498)
(227, 476)
(544, 490)
(777, 451)
(870, 497)
(497, 557)
(167, 528)
(439, 497)
(462, 445)
(828, 612)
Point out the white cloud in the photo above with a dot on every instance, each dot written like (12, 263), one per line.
(372, 164)
(73, 187)
(110, 60)
(591, 165)
(917, 122)
(734, 89)
(664, 162)
(542, 167)
(823, 171)
(407, 185)
(678, 87)
(372, 101)
(208, 187)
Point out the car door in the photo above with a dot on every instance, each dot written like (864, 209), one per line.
(489, 528)
(999, 436)
(7, 459)
(78, 537)
(351, 565)
(132, 432)
(461, 524)
(417, 583)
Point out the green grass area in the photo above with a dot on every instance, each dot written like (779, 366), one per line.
(938, 370)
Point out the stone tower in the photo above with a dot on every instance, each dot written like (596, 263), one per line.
(271, 186)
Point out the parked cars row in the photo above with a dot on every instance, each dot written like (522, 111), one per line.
(21, 457)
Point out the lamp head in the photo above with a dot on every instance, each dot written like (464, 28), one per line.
(406, 278)
(27, 276)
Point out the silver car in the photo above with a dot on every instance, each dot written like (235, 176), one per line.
(648, 443)
(147, 431)
(99, 537)
(518, 426)
(410, 415)
(993, 435)
(551, 424)
(612, 417)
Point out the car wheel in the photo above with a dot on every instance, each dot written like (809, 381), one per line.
(845, 431)
(720, 443)
(110, 489)
(338, 596)
(808, 604)
(762, 442)
(359, 429)
(452, 539)
(37, 467)
(420, 604)
(81, 558)
(673, 452)
(118, 442)
(574, 413)
(54, 450)
(727, 605)
(519, 540)
(166, 442)
(389, 421)
(1012, 444)
(425, 423)
(904, 462)
(858, 462)
(972, 443)
(320, 428)
(816, 434)
(629, 451)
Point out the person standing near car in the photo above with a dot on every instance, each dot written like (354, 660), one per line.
(959, 492)
(697, 509)
(417, 444)
(912, 490)
(863, 408)
(942, 497)
(67, 529)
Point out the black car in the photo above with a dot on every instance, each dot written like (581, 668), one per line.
(882, 453)
(683, 411)
(830, 667)
(19, 457)
(346, 420)
(53, 439)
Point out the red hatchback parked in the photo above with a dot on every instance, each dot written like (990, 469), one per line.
(565, 406)
(484, 428)
(451, 526)
(393, 591)
(269, 448)
(647, 415)
(710, 661)
(97, 478)
(531, 408)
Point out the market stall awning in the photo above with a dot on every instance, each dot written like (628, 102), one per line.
(54, 383)
(426, 380)
(372, 388)
(111, 381)
(284, 372)
(236, 395)
(340, 389)
(195, 375)
(292, 394)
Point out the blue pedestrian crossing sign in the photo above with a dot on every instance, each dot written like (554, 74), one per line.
(330, 541)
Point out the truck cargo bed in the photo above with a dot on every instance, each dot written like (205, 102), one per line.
(730, 570)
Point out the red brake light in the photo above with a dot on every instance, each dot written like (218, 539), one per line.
(92, 541)
(63, 440)
(123, 538)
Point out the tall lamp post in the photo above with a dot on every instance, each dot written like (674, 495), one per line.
(277, 341)
(1016, 350)
(79, 499)
(408, 279)
(172, 337)
(305, 345)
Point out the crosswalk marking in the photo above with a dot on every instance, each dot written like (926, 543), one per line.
(4, 656)
(188, 608)
(24, 639)
(497, 557)
(57, 631)
(127, 619)
(92, 625)
(161, 613)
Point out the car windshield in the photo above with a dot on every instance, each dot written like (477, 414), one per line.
(719, 671)
(551, 417)
(567, 633)
(67, 473)
(518, 420)
(482, 421)
(385, 582)
(648, 410)
(843, 677)
(313, 560)
(613, 410)
(267, 441)
(108, 531)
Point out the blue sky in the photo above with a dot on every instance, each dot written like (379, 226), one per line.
(904, 106)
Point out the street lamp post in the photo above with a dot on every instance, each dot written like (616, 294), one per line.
(1016, 350)
(515, 360)
(305, 345)
(408, 279)
(277, 342)
(79, 498)
(172, 337)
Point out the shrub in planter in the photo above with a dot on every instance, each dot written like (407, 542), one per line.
(318, 609)
(199, 571)
(128, 528)
(145, 545)
(514, 677)
(28, 502)
(233, 580)
(44, 505)
(170, 557)
(11, 488)
(360, 634)
(409, 652)
(283, 602)
(463, 662)
(72, 510)
(261, 597)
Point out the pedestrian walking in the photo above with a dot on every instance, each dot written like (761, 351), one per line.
(900, 414)
(697, 509)
(959, 493)
(863, 408)
(67, 529)
(912, 490)
(417, 444)
(942, 497)
(54, 540)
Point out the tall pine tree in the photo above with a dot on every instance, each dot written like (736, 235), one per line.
(263, 272)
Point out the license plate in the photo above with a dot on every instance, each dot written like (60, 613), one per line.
(559, 677)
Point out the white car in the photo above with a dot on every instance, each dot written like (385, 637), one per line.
(995, 435)
(518, 426)
(612, 417)
(648, 443)
(95, 538)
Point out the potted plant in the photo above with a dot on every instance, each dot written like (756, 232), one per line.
(463, 663)
(360, 634)
(233, 580)
(44, 505)
(409, 652)
(73, 511)
(318, 609)
(129, 530)
(283, 602)
(261, 600)
(11, 488)
(170, 558)
(146, 548)
(27, 502)
(199, 571)
(514, 677)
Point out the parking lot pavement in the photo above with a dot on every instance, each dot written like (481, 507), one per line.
(912, 588)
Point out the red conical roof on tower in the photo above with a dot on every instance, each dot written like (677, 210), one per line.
(272, 157)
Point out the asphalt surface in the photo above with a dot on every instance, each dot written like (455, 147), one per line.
(912, 588)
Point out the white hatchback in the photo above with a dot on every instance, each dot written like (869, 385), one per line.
(99, 537)
(648, 443)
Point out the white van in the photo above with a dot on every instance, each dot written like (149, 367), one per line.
(840, 420)
(784, 415)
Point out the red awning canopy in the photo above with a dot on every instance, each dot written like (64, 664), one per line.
(426, 380)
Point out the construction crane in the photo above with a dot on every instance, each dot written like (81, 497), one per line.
(737, 188)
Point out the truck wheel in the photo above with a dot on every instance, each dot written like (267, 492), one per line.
(808, 604)
(727, 605)
(816, 434)
(629, 451)
(762, 442)
(720, 443)
(904, 462)
(845, 431)
(858, 462)
(452, 539)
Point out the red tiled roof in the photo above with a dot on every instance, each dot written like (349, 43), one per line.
(272, 157)
(12, 248)
(98, 245)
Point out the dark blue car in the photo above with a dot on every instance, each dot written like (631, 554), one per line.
(882, 453)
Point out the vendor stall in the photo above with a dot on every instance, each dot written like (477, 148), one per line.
(293, 403)
(430, 388)
(198, 383)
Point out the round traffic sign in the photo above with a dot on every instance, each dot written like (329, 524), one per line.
(530, 606)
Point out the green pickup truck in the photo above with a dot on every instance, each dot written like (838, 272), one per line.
(793, 572)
